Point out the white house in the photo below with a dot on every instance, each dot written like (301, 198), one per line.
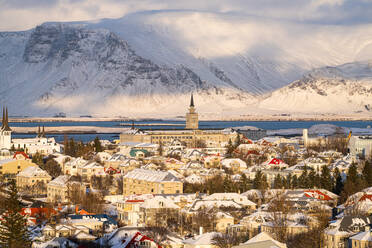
(41, 145)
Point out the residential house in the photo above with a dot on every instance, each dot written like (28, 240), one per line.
(11, 167)
(339, 231)
(235, 164)
(129, 212)
(140, 181)
(72, 166)
(33, 178)
(156, 210)
(223, 221)
(362, 239)
(90, 169)
(57, 189)
(262, 240)
(201, 241)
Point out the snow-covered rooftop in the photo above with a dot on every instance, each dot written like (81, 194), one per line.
(152, 176)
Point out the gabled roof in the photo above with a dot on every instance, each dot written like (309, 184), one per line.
(34, 171)
(151, 176)
(263, 236)
(348, 222)
(81, 235)
(60, 181)
(204, 239)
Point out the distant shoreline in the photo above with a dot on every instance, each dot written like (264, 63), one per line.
(250, 118)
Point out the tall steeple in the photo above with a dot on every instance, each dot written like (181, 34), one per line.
(192, 101)
(192, 120)
(3, 120)
(6, 122)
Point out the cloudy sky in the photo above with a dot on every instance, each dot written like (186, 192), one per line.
(25, 14)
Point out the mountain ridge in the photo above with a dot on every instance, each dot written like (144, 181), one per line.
(148, 63)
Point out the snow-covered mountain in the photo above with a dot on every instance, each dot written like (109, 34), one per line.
(342, 89)
(148, 63)
(71, 68)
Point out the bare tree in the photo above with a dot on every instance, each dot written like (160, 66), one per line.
(158, 234)
(280, 210)
(225, 240)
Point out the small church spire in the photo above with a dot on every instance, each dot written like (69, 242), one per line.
(3, 120)
(6, 122)
(192, 101)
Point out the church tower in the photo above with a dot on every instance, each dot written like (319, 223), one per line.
(192, 120)
(5, 131)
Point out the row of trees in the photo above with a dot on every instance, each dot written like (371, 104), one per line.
(80, 149)
(219, 184)
(48, 164)
(91, 202)
(309, 179)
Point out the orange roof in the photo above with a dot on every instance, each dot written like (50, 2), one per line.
(37, 211)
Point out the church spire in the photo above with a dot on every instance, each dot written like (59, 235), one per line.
(6, 122)
(3, 120)
(43, 133)
(192, 101)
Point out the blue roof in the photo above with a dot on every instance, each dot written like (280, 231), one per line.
(109, 221)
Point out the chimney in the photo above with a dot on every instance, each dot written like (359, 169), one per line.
(200, 230)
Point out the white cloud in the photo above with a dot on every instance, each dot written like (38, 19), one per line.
(21, 14)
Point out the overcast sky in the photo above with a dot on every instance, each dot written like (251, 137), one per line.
(26, 14)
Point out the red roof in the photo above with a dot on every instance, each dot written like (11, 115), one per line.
(22, 153)
(129, 201)
(138, 237)
(317, 194)
(365, 197)
(276, 161)
(110, 169)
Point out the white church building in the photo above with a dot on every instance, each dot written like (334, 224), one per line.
(5, 132)
(40, 144)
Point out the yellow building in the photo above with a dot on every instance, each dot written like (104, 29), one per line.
(11, 167)
(129, 212)
(362, 239)
(34, 179)
(223, 221)
(58, 190)
(191, 136)
(140, 181)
